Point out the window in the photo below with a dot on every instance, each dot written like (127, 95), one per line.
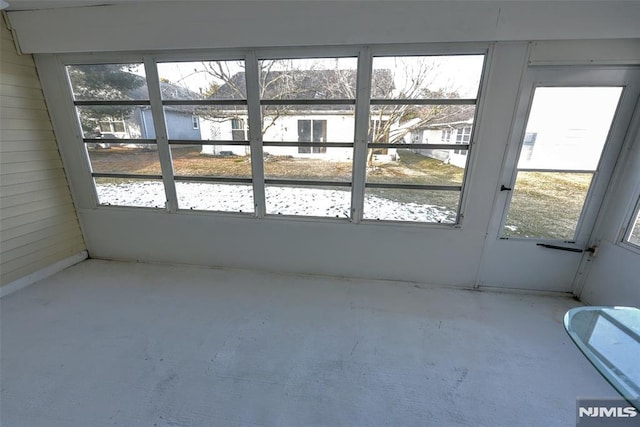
(111, 126)
(112, 106)
(446, 135)
(312, 131)
(410, 160)
(412, 95)
(238, 130)
(463, 136)
(633, 230)
(211, 159)
(308, 122)
(553, 176)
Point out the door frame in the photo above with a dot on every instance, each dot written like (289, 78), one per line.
(560, 76)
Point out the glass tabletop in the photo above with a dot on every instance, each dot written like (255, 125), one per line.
(610, 338)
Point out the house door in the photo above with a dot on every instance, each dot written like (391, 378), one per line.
(566, 136)
(310, 131)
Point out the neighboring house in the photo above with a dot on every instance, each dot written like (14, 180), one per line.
(300, 124)
(458, 132)
(182, 122)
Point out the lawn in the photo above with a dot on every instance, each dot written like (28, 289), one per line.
(544, 205)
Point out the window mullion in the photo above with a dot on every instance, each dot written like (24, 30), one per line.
(363, 96)
(155, 98)
(252, 75)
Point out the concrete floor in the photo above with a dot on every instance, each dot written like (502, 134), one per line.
(124, 344)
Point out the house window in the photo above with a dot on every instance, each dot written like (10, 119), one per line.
(312, 131)
(195, 122)
(463, 136)
(419, 182)
(112, 126)
(238, 130)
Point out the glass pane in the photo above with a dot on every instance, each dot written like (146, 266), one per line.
(421, 124)
(634, 237)
(426, 77)
(308, 163)
(308, 201)
(419, 166)
(568, 127)
(202, 80)
(146, 193)
(212, 123)
(547, 205)
(137, 159)
(398, 204)
(312, 78)
(108, 82)
(232, 161)
(213, 196)
(117, 121)
(307, 123)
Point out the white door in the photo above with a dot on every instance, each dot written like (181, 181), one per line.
(566, 136)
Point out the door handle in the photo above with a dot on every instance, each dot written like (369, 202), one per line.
(503, 188)
(592, 249)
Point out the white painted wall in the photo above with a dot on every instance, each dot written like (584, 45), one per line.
(427, 253)
(38, 223)
(431, 254)
(612, 277)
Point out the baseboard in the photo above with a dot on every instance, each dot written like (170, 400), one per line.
(36, 276)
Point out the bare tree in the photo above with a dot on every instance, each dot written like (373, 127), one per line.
(404, 79)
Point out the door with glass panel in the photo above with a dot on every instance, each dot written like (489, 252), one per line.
(566, 137)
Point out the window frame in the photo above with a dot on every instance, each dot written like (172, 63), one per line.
(250, 56)
(632, 217)
(476, 102)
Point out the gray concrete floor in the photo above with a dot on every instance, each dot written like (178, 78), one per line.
(124, 344)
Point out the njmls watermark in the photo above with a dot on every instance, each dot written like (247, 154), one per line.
(606, 412)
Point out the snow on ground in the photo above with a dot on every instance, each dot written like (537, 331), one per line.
(323, 202)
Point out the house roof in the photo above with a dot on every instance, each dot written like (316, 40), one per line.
(306, 84)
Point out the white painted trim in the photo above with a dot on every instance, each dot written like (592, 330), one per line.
(43, 273)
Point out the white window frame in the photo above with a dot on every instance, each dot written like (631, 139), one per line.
(250, 56)
(630, 221)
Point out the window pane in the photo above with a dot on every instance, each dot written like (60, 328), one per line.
(136, 159)
(308, 201)
(117, 121)
(147, 193)
(421, 124)
(419, 166)
(202, 80)
(308, 123)
(231, 161)
(108, 82)
(398, 204)
(215, 123)
(568, 127)
(334, 164)
(426, 77)
(313, 78)
(213, 196)
(634, 237)
(546, 205)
